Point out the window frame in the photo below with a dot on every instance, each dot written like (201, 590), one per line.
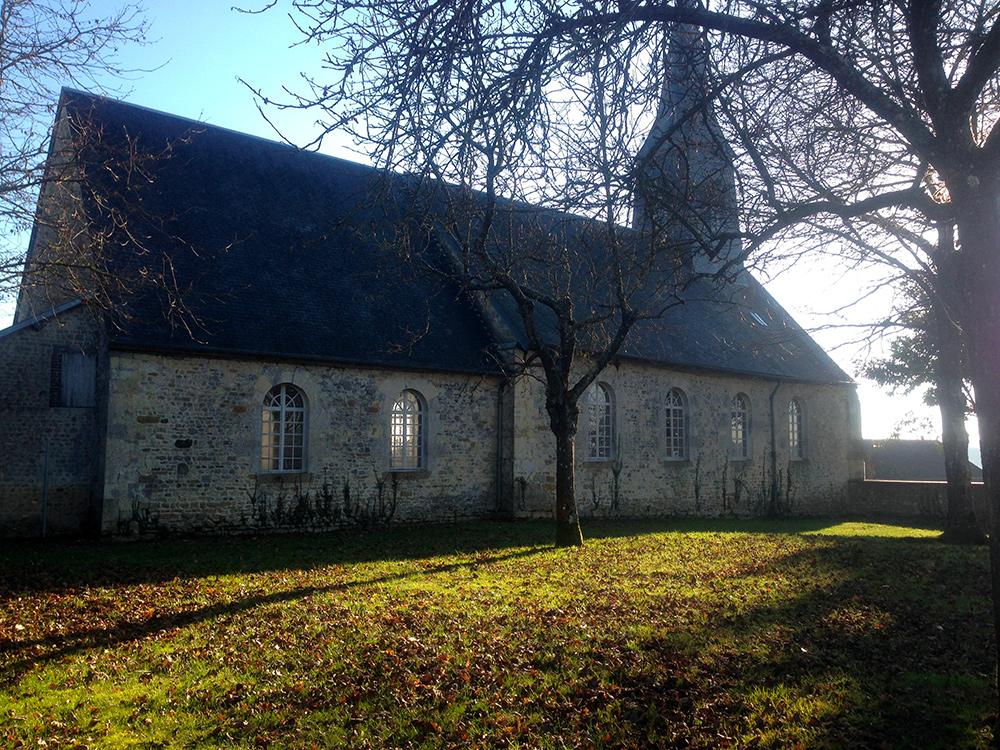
(78, 392)
(283, 411)
(606, 420)
(669, 413)
(796, 428)
(421, 432)
(739, 413)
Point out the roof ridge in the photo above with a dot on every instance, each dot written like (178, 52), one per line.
(271, 142)
(69, 90)
(41, 317)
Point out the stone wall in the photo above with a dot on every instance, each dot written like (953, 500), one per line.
(184, 445)
(709, 481)
(880, 498)
(59, 238)
(38, 438)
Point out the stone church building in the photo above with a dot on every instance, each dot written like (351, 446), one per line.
(321, 385)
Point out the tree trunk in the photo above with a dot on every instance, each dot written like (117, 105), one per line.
(961, 526)
(979, 235)
(568, 533)
(563, 421)
(988, 412)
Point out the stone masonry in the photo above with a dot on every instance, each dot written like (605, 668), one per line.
(184, 443)
(49, 451)
(182, 449)
(708, 482)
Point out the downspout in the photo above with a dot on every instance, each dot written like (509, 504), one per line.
(773, 511)
(504, 391)
(498, 469)
(102, 413)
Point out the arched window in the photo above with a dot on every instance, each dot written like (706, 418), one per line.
(740, 427)
(677, 424)
(283, 430)
(407, 433)
(795, 429)
(599, 413)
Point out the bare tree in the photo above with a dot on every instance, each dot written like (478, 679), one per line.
(46, 44)
(100, 233)
(527, 181)
(575, 290)
(840, 109)
(908, 255)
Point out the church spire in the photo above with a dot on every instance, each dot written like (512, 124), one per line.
(685, 182)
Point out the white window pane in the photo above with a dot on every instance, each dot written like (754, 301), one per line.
(283, 429)
(406, 448)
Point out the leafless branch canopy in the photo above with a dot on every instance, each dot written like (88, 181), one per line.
(44, 45)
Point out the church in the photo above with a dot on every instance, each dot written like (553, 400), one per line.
(317, 385)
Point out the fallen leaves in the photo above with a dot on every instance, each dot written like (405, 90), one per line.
(444, 637)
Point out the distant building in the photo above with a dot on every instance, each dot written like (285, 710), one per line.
(909, 460)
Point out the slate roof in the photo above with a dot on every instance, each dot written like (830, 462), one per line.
(286, 257)
(737, 329)
(910, 460)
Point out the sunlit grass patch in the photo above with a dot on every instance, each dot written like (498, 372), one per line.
(886, 530)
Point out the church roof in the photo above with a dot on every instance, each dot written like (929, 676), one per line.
(273, 255)
(287, 254)
(738, 328)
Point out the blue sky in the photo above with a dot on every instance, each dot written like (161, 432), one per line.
(198, 49)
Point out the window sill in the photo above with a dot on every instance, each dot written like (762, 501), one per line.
(598, 461)
(677, 461)
(408, 472)
(279, 475)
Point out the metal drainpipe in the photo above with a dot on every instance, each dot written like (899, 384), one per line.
(774, 454)
(498, 469)
(45, 489)
(506, 350)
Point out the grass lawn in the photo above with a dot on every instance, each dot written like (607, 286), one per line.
(661, 634)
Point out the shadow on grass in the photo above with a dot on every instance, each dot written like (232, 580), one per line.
(899, 633)
(56, 565)
(880, 643)
(53, 566)
(54, 647)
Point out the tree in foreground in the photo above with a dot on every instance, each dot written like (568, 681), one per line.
(909, 256)
(839, 110)
(78, 186)
(929, 354)
(545, 192)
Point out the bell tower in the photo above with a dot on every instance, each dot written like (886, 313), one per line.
(685, 185)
